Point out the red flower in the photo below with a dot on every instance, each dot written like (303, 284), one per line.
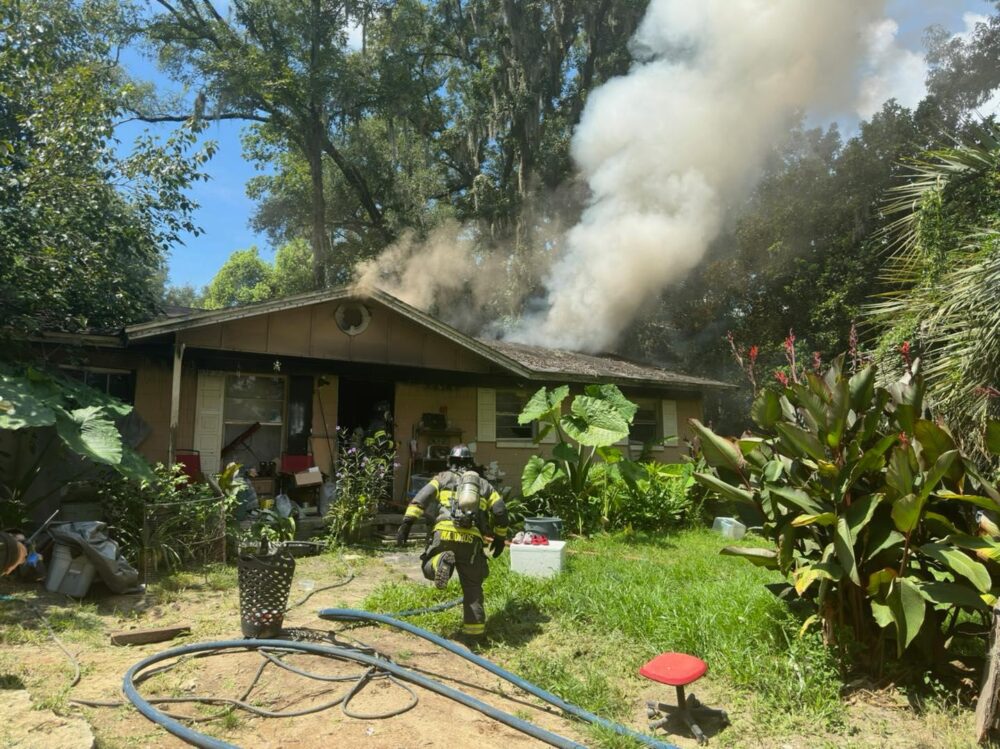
(781, 377)
(904, 440)
(790, 343)
(817, 362)
(752, 353)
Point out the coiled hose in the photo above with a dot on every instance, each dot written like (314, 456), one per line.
(135, 674)
(578, 712)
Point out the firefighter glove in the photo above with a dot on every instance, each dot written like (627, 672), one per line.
(496, 546)
(403, 534)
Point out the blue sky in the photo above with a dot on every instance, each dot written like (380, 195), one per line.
(225, 209)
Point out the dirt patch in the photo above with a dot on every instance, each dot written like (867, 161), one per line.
(214, 615)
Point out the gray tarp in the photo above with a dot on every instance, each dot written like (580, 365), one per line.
(91, 538)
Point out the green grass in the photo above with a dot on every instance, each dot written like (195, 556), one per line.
(621, 600)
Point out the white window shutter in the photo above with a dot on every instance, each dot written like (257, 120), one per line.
(208, 420)
(671, 432)
(487, 418)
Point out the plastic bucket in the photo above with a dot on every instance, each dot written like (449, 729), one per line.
(58, 564)
(550, 527)
(78, 578)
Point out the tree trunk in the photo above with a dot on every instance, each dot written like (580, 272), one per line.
(989, 695)
(318, 214)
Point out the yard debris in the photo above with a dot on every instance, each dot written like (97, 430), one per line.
(147, 636)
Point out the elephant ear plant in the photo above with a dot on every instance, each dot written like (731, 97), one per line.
(584, 466)
(53, 428)
(875, 515)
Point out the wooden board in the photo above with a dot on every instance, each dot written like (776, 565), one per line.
(146, 636)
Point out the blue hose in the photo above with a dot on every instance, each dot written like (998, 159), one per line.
(579, 712)
(208, 742)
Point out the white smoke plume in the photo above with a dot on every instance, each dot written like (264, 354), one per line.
(419, 271)
(668, 149)
(452, 274)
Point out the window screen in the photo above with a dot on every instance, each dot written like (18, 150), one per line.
(646, 424)
(510, 403)
(120, 385)
(252, 399)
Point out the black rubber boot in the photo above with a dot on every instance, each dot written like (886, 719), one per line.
(445, 566)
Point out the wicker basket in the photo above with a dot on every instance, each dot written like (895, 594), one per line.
(265, 581)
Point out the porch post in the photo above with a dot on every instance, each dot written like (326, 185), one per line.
(175, 402)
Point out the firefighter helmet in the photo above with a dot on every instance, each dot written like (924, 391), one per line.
(460, 455)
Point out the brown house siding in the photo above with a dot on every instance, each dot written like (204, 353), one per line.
(312, 332)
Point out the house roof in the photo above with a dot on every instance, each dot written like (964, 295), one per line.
(548, 363)
(527, 362)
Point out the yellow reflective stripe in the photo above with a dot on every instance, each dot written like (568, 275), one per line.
(434, 483)
(482, 503)
(494, 498)
(414, 511)
(473, 629)
(435, 561)
(455, 533)
(445, 495)
(501, 532)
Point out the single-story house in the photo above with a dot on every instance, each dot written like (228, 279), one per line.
(300, 366)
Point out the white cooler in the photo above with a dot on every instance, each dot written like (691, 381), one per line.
(537, 561)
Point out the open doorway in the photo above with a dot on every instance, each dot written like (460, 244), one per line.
(365, 405)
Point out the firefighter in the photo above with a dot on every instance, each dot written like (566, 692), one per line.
(464, 508)
(13, 552)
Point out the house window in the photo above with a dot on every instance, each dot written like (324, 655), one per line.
(646, 428)
(118, 383)
(510, 403)
(252, 400)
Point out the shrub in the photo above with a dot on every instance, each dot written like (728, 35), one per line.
(870, 506)
(364, 478)
(166, 520)
(659, 498)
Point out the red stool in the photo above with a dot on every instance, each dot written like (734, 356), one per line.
(678, 670)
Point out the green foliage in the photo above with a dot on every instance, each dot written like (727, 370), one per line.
(586, 481)
(658, 499)
(243, 279)
(165, 520)
(54, 420)
(268, 528)
(942, 278)
(569, 482)
(623, 598)
(83, 228)
(869, 505)
(364, 479)
(598, 418)
(442, 111)
(246, 278)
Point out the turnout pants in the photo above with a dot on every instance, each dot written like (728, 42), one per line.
(470, 564)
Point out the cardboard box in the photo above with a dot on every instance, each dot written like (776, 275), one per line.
(264, 487)
(312, 477)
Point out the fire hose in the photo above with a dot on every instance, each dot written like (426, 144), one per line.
(377, 668)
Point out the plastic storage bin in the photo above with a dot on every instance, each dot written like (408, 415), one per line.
(729, 527)
(537, 561)
(550, 527)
